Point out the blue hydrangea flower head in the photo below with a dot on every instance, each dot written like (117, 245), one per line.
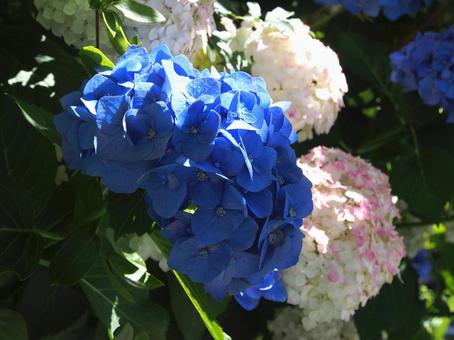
(426, 65)
(213, 155)
(392, 9)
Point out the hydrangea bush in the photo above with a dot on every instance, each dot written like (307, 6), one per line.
(194, 169)
(351, 247)
(426, 65)
(296, 67)
(212, 153)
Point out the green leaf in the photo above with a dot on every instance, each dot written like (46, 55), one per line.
(426, 184)
(75, 258)
(88, 197)
(138, 12)
(144, 315)
(25, 155)
(129, 266)
(115, 31)
(39, 118)
(12, 326)
(201, 303)
(187, 317)
(20, 243)
(128, 214)
(397, 310)
(95, 60)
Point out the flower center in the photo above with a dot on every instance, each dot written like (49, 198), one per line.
(194, 130)
(220, 211)
(201, 176)
(292, 212)
(276, 238)
(152, 134)
(203, 252)
(172, 182)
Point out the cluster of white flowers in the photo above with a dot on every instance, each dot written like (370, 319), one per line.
(351, 247)
(287, 325)
(296, 67)
(73, 20)
(147, 248)
(186, 30)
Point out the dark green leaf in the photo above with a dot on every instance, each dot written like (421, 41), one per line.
(25, 155)
(397, 310)
(425, 184)
(88, 197)
(115, 31)
(138, 12)
(12, 326)
(128, 265)
(202, 303)
(144, 315)
(128, 214)
(75, 258)
(20, 243)
(39, 118)
(95, 60)
(188, 319)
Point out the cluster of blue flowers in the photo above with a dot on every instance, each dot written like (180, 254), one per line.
(212, 153)
(392, 9)
(427, 65)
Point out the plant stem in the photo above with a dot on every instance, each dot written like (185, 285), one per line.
(97, 27)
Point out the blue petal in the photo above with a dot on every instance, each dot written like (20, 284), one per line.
(244, 237)
(260, 203)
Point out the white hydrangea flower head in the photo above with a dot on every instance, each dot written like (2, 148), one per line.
(186, 30)
(296, 67)
(147, 248)
(288, 325)
(73, 20)
(351, 247)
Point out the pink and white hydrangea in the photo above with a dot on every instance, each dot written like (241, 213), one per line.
(351, 247)
(287, 325)
(296, 67)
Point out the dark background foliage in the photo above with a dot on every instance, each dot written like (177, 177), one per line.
(60, 276)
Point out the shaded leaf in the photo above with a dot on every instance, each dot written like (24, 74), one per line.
(396, 310)
(128, 214)
(39, 118)
(144, 315)
(115, 31)
(26, 156)
(426, 184)
(12, 326)
(75, 258)
(138, 12)
(20, 243)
